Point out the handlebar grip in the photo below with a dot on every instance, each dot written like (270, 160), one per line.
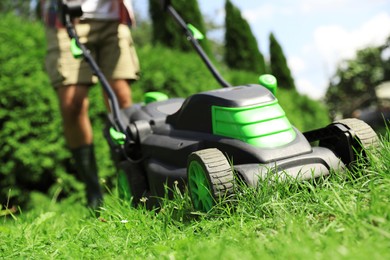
(69, 8)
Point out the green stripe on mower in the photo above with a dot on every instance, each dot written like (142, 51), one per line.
(264, 125)
(200, 188)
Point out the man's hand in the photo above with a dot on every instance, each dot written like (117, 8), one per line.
(69, 9)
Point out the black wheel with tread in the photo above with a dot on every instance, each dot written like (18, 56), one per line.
(210, 177)
(365, 141)
(366, 136)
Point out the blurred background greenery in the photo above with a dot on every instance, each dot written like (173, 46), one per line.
(33, 156)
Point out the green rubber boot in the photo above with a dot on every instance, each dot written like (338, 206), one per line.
(85, 163)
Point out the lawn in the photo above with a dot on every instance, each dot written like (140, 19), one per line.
(344, 216)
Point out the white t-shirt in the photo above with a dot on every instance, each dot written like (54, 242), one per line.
(100, 9)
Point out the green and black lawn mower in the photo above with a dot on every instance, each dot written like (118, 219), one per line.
(210, 140)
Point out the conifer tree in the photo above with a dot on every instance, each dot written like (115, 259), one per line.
(168, 33)
(278, 64)
(241, 48)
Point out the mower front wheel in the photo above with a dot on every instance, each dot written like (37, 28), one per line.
(210, 178)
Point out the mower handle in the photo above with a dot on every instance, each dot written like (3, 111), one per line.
(179, 20)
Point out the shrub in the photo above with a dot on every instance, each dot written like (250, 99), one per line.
(30, 136)
(175, 73)
(33, 155)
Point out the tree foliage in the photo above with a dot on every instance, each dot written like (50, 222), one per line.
(278, 64)
(241, 47)
(353, 85)
(168, 33)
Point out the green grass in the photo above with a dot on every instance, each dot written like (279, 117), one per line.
(344, 216)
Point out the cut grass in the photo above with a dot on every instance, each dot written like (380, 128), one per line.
(343, 216)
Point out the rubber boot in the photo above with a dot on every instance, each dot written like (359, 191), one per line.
(85, 162)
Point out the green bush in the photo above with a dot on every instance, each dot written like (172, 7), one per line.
(33, 155)
(31, 144)
(175, 73)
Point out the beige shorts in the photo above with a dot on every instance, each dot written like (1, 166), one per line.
(110, 44)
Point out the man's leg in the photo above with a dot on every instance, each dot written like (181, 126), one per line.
(122, 91)
(78, 135)
(74, 105)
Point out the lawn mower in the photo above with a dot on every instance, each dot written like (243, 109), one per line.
(210, 140)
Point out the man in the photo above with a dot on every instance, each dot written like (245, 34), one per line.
(104, 30)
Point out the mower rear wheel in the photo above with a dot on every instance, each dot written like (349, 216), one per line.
(366, 136)
(365, 140)
(210, 178)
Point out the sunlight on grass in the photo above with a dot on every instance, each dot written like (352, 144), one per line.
(344, 215)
